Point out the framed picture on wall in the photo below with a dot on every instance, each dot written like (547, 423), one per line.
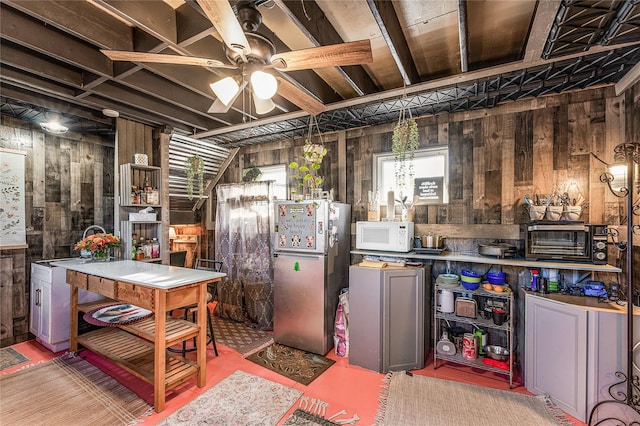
(13, 233)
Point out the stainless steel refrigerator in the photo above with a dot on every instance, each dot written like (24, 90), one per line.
(312, 242)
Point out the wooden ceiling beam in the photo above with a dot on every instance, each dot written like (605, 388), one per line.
(19, 58)
(321, 33)
(462, 35)
(27, 32)
(546, 11)
(191, 25)
(385, 15)
(80, 18)
(54, 104)
(162, 109)
(153, 17)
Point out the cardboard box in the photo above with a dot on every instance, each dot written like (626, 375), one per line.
(143, 217)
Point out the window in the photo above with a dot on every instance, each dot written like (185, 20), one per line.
(429, 182)
(276, 173)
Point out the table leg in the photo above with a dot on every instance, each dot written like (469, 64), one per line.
(202, 335)
(73, 323)
(160, 350)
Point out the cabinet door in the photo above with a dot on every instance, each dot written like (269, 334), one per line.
(556, 353)
(35, 312)
(45, 312)
(365, 318)
(403, 319)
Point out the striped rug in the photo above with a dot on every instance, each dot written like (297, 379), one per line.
(67, 391)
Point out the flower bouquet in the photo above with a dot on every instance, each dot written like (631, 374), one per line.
(99, 245)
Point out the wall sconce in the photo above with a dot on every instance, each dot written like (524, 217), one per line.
(616, 179)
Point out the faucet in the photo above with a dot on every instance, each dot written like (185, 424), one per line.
(93, 227)
(84, 254)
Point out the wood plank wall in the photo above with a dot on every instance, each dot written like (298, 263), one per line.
(69, 185)
(496, 156)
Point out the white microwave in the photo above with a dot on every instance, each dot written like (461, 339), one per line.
(384, 236)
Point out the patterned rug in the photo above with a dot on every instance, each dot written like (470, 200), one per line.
(240, 337)
(315, 412)
(10, 357)
(67, 391)
(413, 400)
(240, 399)
(303, 367)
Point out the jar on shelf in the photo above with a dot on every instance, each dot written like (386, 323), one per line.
(155, 249)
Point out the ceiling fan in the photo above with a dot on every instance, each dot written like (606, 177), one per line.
(255, 55)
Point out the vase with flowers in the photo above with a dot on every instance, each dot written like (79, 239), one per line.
(99, 245)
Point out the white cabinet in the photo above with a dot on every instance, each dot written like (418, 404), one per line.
(49, 313)
(387, 318)
(572, 353)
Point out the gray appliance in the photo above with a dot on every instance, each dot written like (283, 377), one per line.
(312, 242)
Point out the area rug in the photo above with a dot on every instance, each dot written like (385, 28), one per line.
(303, 367)
(240, 337)
(417, 400)
(240, 399)
(10, 357)
(67, 391)
(314, 412)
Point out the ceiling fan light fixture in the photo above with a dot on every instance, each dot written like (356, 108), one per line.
(264, 84)
(225, 89)
(263, 106)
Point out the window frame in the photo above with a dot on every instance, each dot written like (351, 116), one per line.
(382, 157)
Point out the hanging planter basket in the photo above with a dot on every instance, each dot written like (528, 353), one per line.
(404, 144)
(306, 171)
(194, 166)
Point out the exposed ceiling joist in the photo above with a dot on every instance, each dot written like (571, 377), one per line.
(387, 20)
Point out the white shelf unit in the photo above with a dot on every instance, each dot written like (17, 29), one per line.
(135, 175)
(504, 332)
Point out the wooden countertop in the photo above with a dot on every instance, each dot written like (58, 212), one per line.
(144, 273)
(467, 258)
(585, 301)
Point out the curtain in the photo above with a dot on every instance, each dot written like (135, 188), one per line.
(243, 244)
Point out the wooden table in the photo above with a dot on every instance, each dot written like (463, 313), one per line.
(141, 346)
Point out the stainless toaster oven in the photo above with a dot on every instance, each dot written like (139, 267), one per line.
(571, 241)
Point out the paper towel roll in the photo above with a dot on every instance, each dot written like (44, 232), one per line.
(391, 205)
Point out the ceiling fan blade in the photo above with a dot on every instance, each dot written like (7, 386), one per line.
(224, 20)
(352, 53)
(299, 97)
(118, 55)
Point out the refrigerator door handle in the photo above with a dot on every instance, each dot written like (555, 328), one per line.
(298, 255)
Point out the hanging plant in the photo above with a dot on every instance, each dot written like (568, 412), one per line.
(193, 166)
(404, 144)
(252, 175)
(306, 171)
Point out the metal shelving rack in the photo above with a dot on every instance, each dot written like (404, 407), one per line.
(505, 329)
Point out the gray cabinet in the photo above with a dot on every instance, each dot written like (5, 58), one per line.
(387, 318)
(573, 352)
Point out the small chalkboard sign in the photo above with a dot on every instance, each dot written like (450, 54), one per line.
(430, 190)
